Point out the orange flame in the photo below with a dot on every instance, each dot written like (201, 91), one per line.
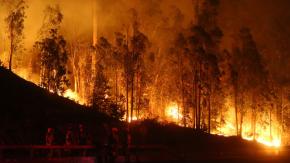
(263, 133)
(73, 96)
(173, 112)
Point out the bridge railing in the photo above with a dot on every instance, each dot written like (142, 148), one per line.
(68, 151)
(10, 151)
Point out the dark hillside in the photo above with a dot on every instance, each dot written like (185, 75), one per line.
(26, 108)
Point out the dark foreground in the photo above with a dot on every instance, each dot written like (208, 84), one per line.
(153, 153)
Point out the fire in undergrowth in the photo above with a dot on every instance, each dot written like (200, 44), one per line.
(73, 96)
(134, 118)
(265, 129)
(173, 112)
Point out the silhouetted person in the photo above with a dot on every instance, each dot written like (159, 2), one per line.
(102, 139)
(49, 137)
(82, 138)
(50, 140)
(82, 135)
(113, 144)
(69, 140)
(126, 142)
(69, 137)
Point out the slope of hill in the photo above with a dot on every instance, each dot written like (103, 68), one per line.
(26, 108)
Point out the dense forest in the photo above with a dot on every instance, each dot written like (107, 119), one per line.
(182, 63)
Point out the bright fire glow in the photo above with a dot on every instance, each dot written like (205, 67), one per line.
(73, 96)
(134, 118)
(263, 133)
(173, 112)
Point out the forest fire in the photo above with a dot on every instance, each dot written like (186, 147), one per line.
(191, 62)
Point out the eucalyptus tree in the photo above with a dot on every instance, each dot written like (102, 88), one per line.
(53, 52)
(15, 26)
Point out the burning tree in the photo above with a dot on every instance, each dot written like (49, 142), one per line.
(197, 58)
(15, 26)
(250, 79)
(52, 52)
(139, 43)
(101, 95)
(128, 51)
(101, 91)
(106, 64)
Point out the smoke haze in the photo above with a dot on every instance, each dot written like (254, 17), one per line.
(268, 20)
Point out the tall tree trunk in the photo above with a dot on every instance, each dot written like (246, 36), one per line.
(127, 98)
(281, 113)
(241, 114)
(236, 106)
(253, 116)
(183, 105)
(241, 124)
(177, 113)
(221, 120)
(139, 95)
(116, 85)
(127, 75)
(199, 99)
(180, 62)
(11, 45)
(193, 98)
(75, 69)
(209, 107)
(209, 113)
(270, 123)
(132, 96)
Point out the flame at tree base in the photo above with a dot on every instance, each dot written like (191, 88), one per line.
(73, 96)
(268, 134)
(266, 139)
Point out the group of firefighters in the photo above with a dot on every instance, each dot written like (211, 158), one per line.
(109, 142)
